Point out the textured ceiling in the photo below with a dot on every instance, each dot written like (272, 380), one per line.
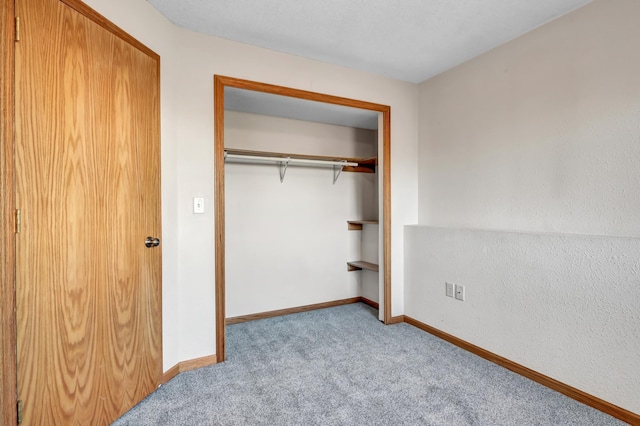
(409, 40)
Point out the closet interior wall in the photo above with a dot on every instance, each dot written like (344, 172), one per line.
(287, 243)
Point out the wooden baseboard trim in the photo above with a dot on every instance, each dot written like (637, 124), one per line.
(188, 365)
(571, 392)
(170, 374)
(288, 311)
(369, 302)
(396, 320)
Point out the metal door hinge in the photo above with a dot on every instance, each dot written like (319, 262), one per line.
(17, 28)
(19, 411)
(18, 221)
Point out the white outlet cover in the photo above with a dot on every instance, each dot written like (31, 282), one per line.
(459, 292)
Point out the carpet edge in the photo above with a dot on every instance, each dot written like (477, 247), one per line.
(573, 393)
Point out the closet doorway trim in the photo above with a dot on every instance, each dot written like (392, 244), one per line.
(220, 82)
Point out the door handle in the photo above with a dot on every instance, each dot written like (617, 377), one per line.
(152, 242)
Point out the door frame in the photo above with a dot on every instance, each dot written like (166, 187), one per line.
(8, 375)
(220, 82)
(8, 358)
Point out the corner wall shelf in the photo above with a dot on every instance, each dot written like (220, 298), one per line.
(356, 225)
(360, 265)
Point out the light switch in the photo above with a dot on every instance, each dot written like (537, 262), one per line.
(450, 289)
(198, 205)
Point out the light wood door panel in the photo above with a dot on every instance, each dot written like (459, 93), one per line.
(87, 183)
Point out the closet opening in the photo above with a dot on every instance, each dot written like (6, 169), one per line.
(296, 173)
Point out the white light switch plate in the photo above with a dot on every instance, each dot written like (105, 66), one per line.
(198, 205)
(449, 289)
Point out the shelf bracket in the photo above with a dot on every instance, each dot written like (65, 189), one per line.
(336, 172)
(283, 168)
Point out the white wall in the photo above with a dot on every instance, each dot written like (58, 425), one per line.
(541, 134)
(287, 243)
(189, 61)
(563, 305)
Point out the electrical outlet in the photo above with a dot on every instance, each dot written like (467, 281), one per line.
(460, 292)
(450, 289)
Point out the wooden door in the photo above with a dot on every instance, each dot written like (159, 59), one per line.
(87, 184)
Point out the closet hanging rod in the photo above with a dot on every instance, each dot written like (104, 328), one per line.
(290, 160)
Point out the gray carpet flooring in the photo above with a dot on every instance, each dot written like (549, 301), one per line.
(341, 366)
